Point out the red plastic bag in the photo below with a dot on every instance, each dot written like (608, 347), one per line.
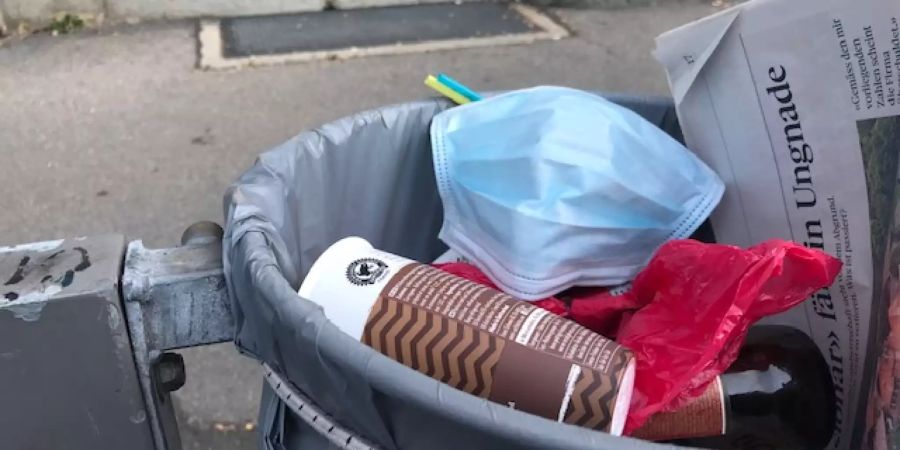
(699, 300)
(602, 310)
(687, 313)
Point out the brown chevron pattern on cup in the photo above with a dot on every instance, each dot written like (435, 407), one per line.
(595, 394)
(445, 349)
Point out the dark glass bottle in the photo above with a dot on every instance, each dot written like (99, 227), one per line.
(778, 394)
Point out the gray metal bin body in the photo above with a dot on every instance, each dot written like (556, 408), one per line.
(367, 175)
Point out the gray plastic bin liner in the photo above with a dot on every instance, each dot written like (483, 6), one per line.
(367, 175)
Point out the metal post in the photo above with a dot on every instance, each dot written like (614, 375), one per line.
(67, 376)
(84, 365)
(174, 298)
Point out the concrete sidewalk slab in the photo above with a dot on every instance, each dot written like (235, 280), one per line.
(118, 131)
(148, 9)
(42, 11)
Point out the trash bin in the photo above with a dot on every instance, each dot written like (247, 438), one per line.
(367, 175)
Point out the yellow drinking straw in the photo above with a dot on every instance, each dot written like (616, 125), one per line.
(433, 83)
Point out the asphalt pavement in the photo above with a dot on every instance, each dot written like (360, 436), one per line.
(117, 131)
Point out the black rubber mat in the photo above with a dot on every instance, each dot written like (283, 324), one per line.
(336, 29)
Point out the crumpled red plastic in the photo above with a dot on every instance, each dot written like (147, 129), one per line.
(689, 310)
(699, 300)
(602, 310)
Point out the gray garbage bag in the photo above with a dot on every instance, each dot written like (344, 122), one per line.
(367, 175)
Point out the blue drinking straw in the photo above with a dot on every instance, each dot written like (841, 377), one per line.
(459, 87)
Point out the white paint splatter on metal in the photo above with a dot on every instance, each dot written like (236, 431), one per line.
(138, 417)
(113, 317)
(92, 420)
(28, 307)
(10, 355)
(33, 247)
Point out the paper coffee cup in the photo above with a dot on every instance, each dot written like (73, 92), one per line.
(472, 337)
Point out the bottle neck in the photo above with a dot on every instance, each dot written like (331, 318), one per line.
(778, 394)
(727, 402)
(753, 393)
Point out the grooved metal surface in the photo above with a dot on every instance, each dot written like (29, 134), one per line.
(304, 408)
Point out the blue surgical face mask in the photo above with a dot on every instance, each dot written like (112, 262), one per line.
(549, 188)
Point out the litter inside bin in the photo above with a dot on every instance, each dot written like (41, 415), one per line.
(778, 394)
(687, 313)
(472, 337)
(452, 89)
(283, 213)
(700, 299)
(595, 188)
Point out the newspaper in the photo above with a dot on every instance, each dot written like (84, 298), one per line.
(796, 104)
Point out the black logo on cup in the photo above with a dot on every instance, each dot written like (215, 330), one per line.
(366, 271)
